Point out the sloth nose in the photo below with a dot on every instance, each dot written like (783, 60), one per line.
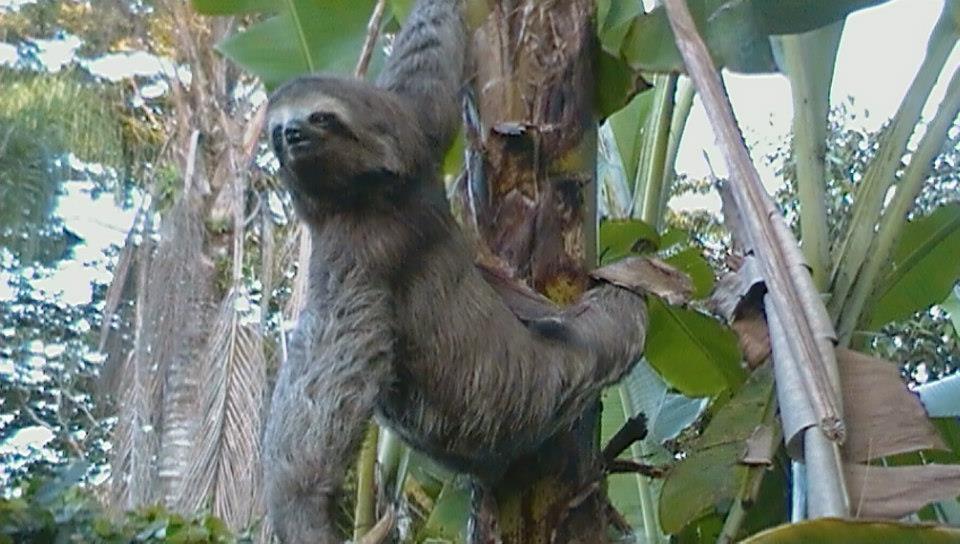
(293, 133)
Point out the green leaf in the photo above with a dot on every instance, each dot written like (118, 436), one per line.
(306, 37)
(693, 352)
(628, 128)
(235, 7)
(705, 530)
(448, 520)
(614, 18)
(616, 83)
(401, 8)
(622, 237)
(709, 477)
(668, 414)
(692, 262)
(621, 488)
(924, 266)
(827, 531)
(453, 160)
(737, 32)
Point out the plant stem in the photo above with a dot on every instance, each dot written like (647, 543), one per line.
(882, 170)
(648, 504)
(750, 485)
(809, 59)
(792, 299)
(681, 112)
(653, 154)
(365, 513)
(373, 31)
(895, 216)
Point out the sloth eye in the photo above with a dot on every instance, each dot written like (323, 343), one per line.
(276, 138)
(324, 119)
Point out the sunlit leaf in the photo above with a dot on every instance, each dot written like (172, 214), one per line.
(693, 352)
(667, 414)
(737, 32)
(305, 37)
(448, 520)
(619, 238)
(692, 262)
(924, 266)
(830, 531)
(236, 7)
(628, 125)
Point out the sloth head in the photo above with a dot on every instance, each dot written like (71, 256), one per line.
(344, 142)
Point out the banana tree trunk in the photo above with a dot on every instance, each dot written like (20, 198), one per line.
(531, 194)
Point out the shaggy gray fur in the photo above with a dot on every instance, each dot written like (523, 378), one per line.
(399, 322)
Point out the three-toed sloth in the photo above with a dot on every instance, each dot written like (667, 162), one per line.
(398, 321)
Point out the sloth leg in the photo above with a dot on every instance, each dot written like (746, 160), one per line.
(324, 396)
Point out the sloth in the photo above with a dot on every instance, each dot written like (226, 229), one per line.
(399, 323)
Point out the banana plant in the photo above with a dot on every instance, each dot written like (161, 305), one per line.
(692, 359)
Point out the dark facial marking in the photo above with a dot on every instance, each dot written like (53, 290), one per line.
(323, 119)
(276, 139)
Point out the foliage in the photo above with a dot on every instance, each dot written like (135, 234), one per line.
(47, 374)
(49, 125)
(300, 37)
(919, 340)
(737, 32)
(64, 110)
(58, 510)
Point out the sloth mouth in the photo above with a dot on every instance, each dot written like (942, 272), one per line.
(294, 136)
(293, 140)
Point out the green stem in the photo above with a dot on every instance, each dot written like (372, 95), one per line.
(648, 504)
(653, 154)
(365, 513)
(301, 35)
(389, 455)
(895, 216)
(681, 112)
(881, 172)
(809, 59)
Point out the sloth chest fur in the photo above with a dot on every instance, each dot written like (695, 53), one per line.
(442, 375)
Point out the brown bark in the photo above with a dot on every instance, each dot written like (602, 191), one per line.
(530, 191)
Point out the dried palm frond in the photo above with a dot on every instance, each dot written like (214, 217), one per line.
(225, 464)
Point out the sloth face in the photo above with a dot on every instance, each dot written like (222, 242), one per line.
(333, 137)
(312, 137)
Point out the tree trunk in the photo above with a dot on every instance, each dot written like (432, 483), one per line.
(531, 194)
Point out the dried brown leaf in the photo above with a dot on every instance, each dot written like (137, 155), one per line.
(883, 416)
(760, 447)
(895, 492)
(648, 275)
